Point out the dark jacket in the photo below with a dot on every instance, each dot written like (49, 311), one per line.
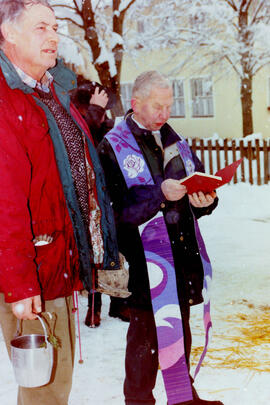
(138, 204)
(37, 194)
(98, 125)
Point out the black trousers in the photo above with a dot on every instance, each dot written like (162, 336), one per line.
(142, 355)
(116, 303)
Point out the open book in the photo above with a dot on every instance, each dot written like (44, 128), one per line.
(207, 182)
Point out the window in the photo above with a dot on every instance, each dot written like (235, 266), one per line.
(126, 91)
(178, 107)
(202, 97)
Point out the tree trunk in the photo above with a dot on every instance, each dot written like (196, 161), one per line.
(246, 102)
(103, 69)
(113, 83)
(247, 41)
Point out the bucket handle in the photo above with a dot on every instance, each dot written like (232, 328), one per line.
(18, 333)
(44, 328)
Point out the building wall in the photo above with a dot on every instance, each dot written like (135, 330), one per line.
(261, 102)
(227, 118)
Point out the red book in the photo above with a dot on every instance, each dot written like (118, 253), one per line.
(207, 182)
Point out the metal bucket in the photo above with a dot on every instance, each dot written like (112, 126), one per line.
(32, 359)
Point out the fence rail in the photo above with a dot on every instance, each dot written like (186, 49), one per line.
(215, 154)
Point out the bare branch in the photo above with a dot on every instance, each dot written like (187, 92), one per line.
(63, 6)
(74, 39)
(260, 67)
(255, 17)
(231, 4)
(232, 65)
(128, 6)
(76, 5)
(70, 20)
(79, 12)
(248, 5)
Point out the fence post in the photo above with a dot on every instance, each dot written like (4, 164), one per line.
(266, 162)
(209, 146)
(257, 145)
(242, 154)
(218, 154)
(250, 162)
(202, 151)
(193, 145)
(234, 159)
(226, 151)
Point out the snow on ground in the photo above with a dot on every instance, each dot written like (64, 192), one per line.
(237, 367)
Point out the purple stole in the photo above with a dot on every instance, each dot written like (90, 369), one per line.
(160, 266)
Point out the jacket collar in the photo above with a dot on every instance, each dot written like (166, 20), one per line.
(135, 129)
(168, 135)
(64, 77)
(12, 78)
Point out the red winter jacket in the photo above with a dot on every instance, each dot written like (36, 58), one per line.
(32, 203)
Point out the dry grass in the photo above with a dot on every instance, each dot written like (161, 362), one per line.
(244, 344)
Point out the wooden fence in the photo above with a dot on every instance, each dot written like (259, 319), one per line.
(215, 154)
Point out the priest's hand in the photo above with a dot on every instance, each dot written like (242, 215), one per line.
(201, 200)
(172, 190)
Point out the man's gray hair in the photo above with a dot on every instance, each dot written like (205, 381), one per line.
(11, 10)
(146, 81)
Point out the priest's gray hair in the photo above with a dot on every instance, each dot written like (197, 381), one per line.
(146, 81)
(11, 10)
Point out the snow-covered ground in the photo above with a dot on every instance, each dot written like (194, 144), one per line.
(237, 367)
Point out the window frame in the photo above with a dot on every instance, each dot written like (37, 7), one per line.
(206, 110)
(126, 95)
(178, 98)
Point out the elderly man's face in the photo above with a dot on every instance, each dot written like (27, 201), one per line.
(153, 111)
(34, 41)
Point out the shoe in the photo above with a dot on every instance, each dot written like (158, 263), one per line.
(92, 323)
(121, 313)
(198, 401)
(205, 402)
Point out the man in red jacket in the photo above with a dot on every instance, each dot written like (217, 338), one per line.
(56, 222)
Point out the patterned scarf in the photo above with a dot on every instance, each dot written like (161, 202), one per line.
(82, 173)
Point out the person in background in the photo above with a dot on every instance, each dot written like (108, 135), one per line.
(143, 160)
(92, 100)
(56, 221)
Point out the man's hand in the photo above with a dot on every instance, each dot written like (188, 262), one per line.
(201, 200)
(172, 190)
(100, 99)
(27, 308)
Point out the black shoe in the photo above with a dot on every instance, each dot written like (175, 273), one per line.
(205, 402)
(121, 313)
(198, 401)
(92, 320)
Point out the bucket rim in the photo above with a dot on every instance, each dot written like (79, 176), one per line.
(25, 336)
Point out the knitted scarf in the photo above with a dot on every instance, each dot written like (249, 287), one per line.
(82, 173)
